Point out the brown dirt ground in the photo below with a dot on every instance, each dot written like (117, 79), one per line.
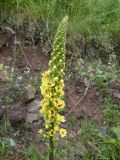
(38, 62)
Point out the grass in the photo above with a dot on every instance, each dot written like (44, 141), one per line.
(103, 142)
(92, 19)
(31, 153)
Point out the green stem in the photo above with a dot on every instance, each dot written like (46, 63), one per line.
(51, 150)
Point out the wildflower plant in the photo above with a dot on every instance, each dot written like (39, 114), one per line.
(52, 88)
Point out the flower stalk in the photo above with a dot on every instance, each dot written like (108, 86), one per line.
(52, 89)
(51, 150)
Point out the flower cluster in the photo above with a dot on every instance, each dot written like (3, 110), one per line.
(52, 86)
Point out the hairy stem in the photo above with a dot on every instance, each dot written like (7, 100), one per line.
(51, 151)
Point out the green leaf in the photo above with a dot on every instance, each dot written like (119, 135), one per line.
(116, 130)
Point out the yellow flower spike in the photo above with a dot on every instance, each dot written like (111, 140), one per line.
(52, 86)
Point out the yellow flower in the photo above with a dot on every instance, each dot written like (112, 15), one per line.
(51, 114)
(40, 131)
(63, 132)
(44, 102)
(43, 110)
(50, 84)
(51, 132)
(58, 103)
(60, 118)
(59, 90)
(45, 89)
(61, 93)
(46, 126)
(48, 95)
(61, 104)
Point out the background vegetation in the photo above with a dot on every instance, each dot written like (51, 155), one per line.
(92, 64)
(92, 19)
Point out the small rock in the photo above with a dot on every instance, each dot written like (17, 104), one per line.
(3, 107)
(30, 92)
(116, 95)
(2, 77)
(15, 113)
(33, 113)
(33, 106)
(79, 132)
(103, 130)
(12, 143)
(28, 42)
(32, 117)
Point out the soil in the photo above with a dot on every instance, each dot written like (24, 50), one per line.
(75, 89)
